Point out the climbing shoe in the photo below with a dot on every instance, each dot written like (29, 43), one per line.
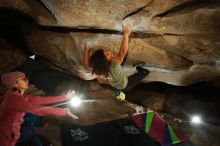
(118, 94)
(121, 96)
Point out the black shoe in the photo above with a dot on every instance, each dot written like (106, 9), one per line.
(140, 63)
(142, 70)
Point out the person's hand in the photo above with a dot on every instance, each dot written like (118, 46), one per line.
(127, 26)
(69, 114)
(70, 94)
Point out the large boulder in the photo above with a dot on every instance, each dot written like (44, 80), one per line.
(178, 40)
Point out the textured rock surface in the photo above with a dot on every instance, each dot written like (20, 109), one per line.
(178, 40)
(10, 57)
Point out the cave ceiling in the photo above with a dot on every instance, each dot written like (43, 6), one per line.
(178, 40)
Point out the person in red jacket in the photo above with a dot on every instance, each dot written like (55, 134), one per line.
(14, 105)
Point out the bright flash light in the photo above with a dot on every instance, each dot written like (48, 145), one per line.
(75, 101)
(196, 120)
(32, 57)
